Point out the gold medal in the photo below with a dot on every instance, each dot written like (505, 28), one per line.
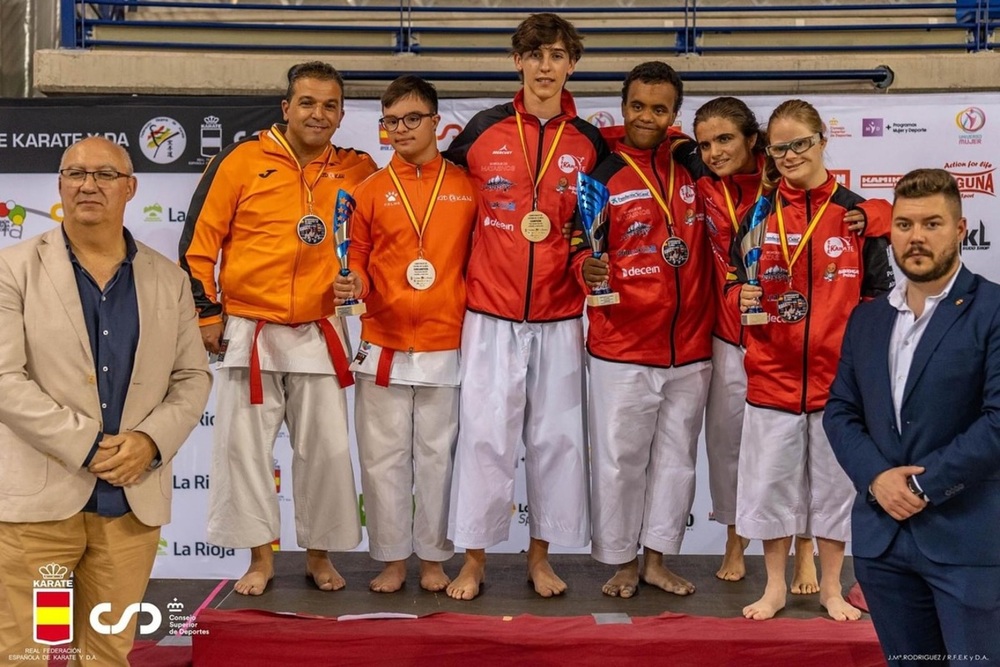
(420, 274)
(535, 226)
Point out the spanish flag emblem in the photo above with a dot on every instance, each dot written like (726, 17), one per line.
(53, 616)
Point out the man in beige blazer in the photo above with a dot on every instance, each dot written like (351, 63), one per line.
(91, 414)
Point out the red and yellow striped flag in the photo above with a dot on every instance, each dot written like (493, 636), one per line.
(53, 616)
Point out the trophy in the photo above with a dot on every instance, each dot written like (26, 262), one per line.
(342, 240)
(750, 247)
(592, 200)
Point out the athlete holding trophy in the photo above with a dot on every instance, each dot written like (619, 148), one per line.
(648, 354)
(411, 228)
(815, 272)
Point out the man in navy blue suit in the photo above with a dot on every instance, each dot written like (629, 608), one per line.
(914, 420)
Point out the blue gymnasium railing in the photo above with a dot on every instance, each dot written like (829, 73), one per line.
(976, 18)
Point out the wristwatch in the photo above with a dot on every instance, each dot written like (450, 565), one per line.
(914, 488)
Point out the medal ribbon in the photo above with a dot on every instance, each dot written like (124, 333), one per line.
(430, 204)
(276, 133)
(729, 201)
(805, 237)
(548, 158)
(654, 191)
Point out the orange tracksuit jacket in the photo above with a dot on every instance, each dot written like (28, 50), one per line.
(247, 207)
(384, 242)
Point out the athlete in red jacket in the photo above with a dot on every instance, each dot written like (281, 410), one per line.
(650, 354)
(728, 165)
(522, 340)
(813, 272)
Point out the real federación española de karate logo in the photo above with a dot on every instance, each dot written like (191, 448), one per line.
(53, 605)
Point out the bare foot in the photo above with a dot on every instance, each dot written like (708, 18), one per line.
(469, 580)
(840, 609)
(733, 566)
(770, 604)
(260, 572)
(540, 572)
(655, 573)
(804, 581)
(323, 574)
(391, 578)
(625, 582)
(432, 576)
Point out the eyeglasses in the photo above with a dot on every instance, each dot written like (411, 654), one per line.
(797, 146)
(411, 121)
(78, 176)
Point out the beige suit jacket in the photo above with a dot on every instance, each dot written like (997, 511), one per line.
(50, 413)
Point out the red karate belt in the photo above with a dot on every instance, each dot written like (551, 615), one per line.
(384, 366)
(333, 346)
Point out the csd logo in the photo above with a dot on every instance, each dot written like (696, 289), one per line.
(130, 611)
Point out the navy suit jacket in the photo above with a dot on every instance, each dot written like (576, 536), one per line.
(950, 420)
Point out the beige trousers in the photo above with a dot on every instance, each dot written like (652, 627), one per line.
(110, 560)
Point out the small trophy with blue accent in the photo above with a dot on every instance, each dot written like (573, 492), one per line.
(750, 247)
(592, 200)
(342, 240)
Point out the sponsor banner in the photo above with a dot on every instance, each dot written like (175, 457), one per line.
(873, 142)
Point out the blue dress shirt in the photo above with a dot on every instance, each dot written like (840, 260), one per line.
(112, 317)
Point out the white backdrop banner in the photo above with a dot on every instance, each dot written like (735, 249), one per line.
(873, 141)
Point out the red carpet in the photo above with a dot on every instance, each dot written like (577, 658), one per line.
(856, 597)
(265, 638)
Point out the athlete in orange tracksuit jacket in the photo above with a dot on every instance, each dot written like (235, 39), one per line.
(242, 209)
(411, 241)
(266, 221)
(382, 245)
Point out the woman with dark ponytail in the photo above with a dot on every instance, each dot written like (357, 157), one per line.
(731, 146)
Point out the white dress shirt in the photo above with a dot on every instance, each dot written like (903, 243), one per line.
(906, 334)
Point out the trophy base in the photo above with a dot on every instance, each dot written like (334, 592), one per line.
(753, 319)
(351, 309)
(609, 299)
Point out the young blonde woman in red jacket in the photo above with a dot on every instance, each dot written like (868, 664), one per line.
(813, 272)
(731, 150)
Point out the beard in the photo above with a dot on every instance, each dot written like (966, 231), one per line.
(939, 268)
